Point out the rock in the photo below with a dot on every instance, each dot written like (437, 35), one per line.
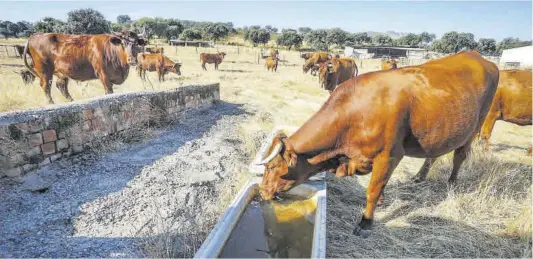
(35, 183)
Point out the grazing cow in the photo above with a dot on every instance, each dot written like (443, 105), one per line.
(210, 58)
(388, 64)
(81, 57)
(336, 71)
(370, 122)
(271, 63)
(316, 58)
(155, 50)
(26, 75)
(156, 62)
(511, 103)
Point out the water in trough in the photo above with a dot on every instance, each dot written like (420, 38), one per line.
(277, 229)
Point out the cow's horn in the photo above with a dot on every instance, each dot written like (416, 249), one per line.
(273, 154)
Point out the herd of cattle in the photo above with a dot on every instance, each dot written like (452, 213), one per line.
(371, 121)
(87, 57)
(368, 124)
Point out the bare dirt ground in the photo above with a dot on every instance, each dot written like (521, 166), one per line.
(111, 204)
(100, 207)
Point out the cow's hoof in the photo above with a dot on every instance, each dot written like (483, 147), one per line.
(364, 233)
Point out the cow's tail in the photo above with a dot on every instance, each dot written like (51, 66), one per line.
(30, 68)
(356, 72)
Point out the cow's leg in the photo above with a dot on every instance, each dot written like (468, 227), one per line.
(488, 126)
(384, 165)
(62, 85)
(203, 66)
(46, 74)
(159, 75)
(46, 83)
(459, 156)
(421, 176)
(108, 86)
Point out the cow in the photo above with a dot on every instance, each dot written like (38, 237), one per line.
(511, 103)
(370, 122)
(210, 58)
(26, 75)
(336, 71)
(81, 58)
(156, 62)
(155, 50)
(271, 63)
(388, 64)
(316, 58)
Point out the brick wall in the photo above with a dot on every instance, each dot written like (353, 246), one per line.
(34, 138)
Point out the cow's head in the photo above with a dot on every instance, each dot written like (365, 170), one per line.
(131, 42)
(326, 75)
(222, 54)
(176, 68)
(307, 66)
(284, 169)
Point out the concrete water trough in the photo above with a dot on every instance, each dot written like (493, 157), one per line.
(292, 227)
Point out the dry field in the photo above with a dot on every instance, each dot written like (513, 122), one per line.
(488, 214)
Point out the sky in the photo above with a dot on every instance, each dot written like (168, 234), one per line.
(485, 19)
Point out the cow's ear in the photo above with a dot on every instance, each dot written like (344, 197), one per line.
(141, 42)
(115, 40)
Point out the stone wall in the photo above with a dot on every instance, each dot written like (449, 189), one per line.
(34, 138)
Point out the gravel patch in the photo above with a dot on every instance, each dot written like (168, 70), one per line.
(108, 205)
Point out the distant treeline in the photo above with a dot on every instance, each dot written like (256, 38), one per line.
(90, 21)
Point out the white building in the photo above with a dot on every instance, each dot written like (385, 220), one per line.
(523, 55)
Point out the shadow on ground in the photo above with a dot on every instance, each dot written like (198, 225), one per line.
(89, 189)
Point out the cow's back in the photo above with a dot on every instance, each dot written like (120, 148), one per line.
(209, 58)
(150, 62)
(436, 107)
(449, 100)
(514, 96)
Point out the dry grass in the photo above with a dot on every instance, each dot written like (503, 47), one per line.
(184, 242)
(488, 214)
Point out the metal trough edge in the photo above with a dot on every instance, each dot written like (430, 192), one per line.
(213, 244)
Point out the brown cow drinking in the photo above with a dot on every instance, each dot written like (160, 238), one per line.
(511, 103)
(370, 122)
(156, 62)
(212, 59)
(81, 57)
(336, 71)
